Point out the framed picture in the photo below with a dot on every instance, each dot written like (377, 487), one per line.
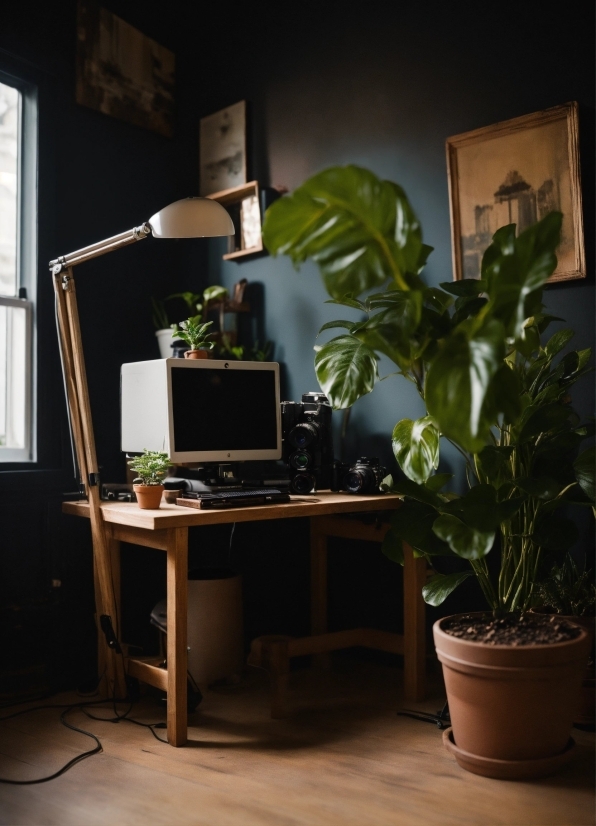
(122, 73)
(222, 149)
(516, 171)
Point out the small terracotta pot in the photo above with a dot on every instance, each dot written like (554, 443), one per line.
(148, 496)
(196, 354)
(511, 703)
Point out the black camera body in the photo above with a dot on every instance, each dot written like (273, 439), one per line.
(307, 443)
(364, 476)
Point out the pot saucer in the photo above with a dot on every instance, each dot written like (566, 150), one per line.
(507, 769)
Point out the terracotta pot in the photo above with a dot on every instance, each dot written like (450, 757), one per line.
(148, 496)
(587, 707)
(196, 354)
(511, 705)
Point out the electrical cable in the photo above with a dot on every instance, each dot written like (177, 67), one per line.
(230, 545)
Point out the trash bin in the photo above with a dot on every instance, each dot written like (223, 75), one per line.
(215, 631)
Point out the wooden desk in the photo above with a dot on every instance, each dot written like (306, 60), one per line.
(167, 529)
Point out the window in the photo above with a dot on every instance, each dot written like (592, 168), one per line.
(17, 267)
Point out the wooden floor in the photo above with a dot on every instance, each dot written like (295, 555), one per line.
(343, 759)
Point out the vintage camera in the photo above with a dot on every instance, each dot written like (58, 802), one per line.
(364, 476)
(307, 446)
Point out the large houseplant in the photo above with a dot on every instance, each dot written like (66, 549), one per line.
(472, 349)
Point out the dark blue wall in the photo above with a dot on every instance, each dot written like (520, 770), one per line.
(384, 89)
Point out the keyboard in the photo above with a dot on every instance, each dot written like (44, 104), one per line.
(233, 498)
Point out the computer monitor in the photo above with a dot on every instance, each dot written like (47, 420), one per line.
(202, 411)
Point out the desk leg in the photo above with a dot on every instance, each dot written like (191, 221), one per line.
(177, 655)
(318, 586)
(414, 627)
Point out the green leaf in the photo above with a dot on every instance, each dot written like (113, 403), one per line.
(542, 487)
(214, 293)
(330, 325)
(542, 419)
(413, 524)
(584, 471)
(419, 492)
(437, 299)
(346, 369)
(467, 308)
(438, 587)
(558, 342)
(416, 447)
(348, 301)
(463, 540)
(438, 481)
(389, 331)
(393, 547)
(464, 287)
(494, 459)
(516, 269)
(458, 382)
(360, 230)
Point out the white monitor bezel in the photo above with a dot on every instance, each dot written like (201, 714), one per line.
(196, 457)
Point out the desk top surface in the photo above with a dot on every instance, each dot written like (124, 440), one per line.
(324, 503)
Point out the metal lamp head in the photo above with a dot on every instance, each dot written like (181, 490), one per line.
(191, 218)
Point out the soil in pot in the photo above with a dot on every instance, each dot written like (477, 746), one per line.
(148, 496)
(512, 686)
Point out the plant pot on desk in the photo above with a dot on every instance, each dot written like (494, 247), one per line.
(148, 496)
(511, 706)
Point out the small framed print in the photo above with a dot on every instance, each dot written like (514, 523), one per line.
(516, 172)
(222, 149)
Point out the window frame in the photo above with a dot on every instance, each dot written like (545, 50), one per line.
(27, 252)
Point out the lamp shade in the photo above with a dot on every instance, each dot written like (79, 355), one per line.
(191, 218)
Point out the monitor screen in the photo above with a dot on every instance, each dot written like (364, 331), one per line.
(221, 409)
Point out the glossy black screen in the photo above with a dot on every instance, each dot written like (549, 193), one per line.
(223, 409)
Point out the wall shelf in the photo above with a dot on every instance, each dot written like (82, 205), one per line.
(244, 205)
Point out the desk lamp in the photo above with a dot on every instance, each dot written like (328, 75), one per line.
(187, 218)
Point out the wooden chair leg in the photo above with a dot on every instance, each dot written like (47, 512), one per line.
(414, 627)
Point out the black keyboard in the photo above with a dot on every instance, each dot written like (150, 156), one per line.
(237, 498)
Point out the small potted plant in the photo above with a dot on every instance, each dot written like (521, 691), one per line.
(151, 468)
(196, 336)
(500, 396)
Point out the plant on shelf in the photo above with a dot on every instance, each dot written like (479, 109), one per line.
(197, 337)
(151, 468)
(473, 350)
(197, 305)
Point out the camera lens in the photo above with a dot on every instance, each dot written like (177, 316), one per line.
(360, 481)
(303, 483)
(300, 460)
(304, 434)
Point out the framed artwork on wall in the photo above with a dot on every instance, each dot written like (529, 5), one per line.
(121, 72)
(222, 149)
(516, 172)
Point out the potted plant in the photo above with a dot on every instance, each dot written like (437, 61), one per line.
(196, 336)
(473, 350)
(197, 305)
(151, 468)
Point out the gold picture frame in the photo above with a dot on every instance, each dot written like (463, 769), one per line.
(516, 171)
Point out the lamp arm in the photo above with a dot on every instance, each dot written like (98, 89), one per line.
(100, 248)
